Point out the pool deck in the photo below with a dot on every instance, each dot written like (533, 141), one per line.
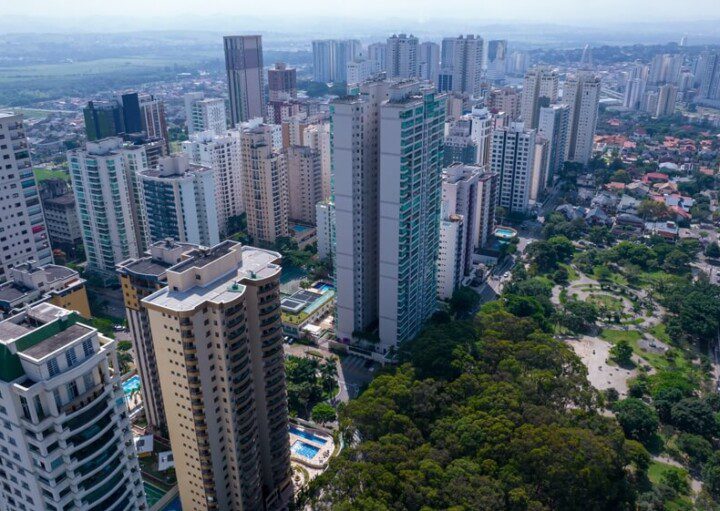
(320, 460)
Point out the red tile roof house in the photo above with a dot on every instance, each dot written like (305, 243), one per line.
(655, 177)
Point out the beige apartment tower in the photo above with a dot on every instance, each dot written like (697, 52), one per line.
(265, 188)
(217, 335)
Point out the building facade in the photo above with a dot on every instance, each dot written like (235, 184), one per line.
(140, 278)
(221, 153)
(462, 58)
(282, 82)
(582, 94)
(105, 196)
(409, 226)
(217, 332)
(540, 89)
(246, 77)
(205, 114)
(513, 156)
(265, 188)
(402, 56)
(304, 171)
(178, 201)
(24, 233)
(325, 225)
(67, 442)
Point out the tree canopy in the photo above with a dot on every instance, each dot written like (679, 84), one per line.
(484, 414)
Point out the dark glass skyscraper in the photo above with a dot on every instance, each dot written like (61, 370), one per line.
(244, 65)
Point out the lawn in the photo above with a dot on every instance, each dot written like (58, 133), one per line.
(609, 302)
(660, 362)
(43, 174)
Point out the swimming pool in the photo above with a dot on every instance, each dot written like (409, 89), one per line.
(322, 287)
(307, 436)
(305, 450)
(505, 233)
(131, 384)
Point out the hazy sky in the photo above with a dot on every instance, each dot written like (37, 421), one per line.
(556, 11)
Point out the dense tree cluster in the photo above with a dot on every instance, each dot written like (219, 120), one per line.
(488, 414)
(309, 381)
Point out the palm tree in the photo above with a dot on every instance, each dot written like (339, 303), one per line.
(328, 375)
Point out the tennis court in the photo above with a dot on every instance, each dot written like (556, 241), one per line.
(153, 493)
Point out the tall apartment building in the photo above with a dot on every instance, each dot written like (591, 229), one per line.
(282, 82)
(63, 226)
(541, 169)
(103, 119)
(356, 180)
(402, 56)
(376, 52)
(24, 234)
(481, 125)
(265, 188)
(540, 89)
(346, 50)
(429, 61)
(451, 253)
(505, 100)
(460, 225)
(217, 335)
(178, 199)
(708, 72)
(467, 190)
(139, 278)
(409, 210)
(323, 60)
(205, 114)
(325, 228)
(667, 97)
(582, 94)
(330, 58)
(665, 68)
(154, 124)
(30, 284)
(360, 70)
(104, 178)
(554, 125)
(513, 157)
(496, 60)
(463, 58)
(317, 136)
(221, 153)
(459, 144)
(67, 442)
(246, 80)
(304, 174)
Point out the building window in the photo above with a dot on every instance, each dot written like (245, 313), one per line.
(52, 366)
(71, 357)
(72, 390)
(88, 347)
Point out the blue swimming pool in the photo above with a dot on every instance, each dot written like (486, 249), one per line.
(322, 287)
(307, 435)
(131, 384)
(305, 450)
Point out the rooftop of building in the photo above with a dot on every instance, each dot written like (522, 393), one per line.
(152, 266)
(255, 264)
(14, 290)
(36, 333)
